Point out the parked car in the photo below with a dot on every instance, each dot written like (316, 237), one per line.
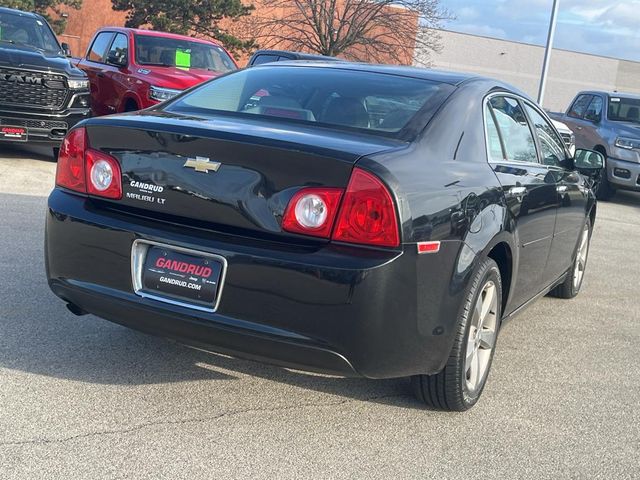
(609, 123)
(568, 137)
(130, 69)
(42, 95)
(268, 56)
(356, 220)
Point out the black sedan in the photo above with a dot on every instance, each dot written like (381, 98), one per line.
(332, 217)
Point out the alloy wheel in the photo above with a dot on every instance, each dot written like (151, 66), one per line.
(482, 337)
(581, 259)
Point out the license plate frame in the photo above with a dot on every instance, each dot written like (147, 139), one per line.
(14, 133)
(139, 251)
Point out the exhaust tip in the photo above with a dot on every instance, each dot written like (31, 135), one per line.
(76, 310)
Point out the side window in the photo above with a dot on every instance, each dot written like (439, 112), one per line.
(494, 142)
(119, 47)
(594, 111)
(579, 107)
(99, 47)
(551, 145)
(514, 128)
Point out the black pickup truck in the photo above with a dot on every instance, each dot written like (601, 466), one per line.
(42, 95)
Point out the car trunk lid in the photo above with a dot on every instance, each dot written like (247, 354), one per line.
(224, 173)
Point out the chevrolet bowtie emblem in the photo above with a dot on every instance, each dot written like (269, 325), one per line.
(202, 164)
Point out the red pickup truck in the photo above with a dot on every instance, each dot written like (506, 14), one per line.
(130, 69)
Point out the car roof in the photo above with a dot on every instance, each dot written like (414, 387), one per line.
(19, 12)
(296, 55)
(440, 76)
(610, 94)
(155, 33)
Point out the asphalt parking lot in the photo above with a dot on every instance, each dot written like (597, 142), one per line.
(83, 398)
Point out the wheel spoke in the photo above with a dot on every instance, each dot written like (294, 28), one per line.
(477, 313)
(487, 339)
(581, 258)
(469, 360)
(474, 371)
(487, 302)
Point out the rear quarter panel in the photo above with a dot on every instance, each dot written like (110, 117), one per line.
(446, 191)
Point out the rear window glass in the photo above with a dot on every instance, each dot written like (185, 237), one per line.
(339, 98)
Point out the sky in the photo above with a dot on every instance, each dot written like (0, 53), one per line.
(601, 27)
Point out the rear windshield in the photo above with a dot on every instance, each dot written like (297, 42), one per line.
(624, 109)
(339, 98)
(173, 52)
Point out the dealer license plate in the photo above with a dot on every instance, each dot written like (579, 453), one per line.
(16, 134)
(177, 275)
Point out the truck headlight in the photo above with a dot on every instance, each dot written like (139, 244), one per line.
(78, 84)
(162, 94)
(628, 143)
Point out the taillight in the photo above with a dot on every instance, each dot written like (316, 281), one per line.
(367, 215)
(103, 175)
(86, 170)
(70, 172)
(312, 211)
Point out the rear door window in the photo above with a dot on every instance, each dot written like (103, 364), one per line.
(580, 105)
(514, 129)
(99, 47)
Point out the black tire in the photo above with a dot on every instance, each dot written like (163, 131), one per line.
(603, 188)
(448, 389)
(131, 106)
(56, 151)
(569, 288)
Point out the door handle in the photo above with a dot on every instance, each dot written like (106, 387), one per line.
(518, 191)
(578, 127)
(101, 75)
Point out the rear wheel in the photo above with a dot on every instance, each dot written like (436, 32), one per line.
(459, 385)
(56, 151)
(572, 284)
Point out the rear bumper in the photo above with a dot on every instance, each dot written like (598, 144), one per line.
(623, 174)
(328, 308)
(44, 128)
(221, 334)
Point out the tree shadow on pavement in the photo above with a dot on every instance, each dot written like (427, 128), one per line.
(40, 336)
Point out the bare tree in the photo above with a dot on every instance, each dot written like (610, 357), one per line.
(384, 31)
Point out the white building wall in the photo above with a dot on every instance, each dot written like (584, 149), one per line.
(521, 64)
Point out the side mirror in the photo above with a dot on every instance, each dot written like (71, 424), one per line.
(66, 49)
(588, 162)
(118, 59)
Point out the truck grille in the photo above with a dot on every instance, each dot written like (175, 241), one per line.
(566, 138)
(32, 89)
